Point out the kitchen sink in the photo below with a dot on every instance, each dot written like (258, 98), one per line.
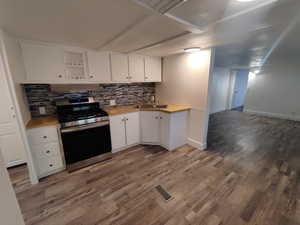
(153, 106)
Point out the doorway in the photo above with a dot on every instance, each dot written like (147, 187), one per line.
(240, 84)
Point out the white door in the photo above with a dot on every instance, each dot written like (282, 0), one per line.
(99, 67)
(150, 127)
(11, 142)
(119, 67)
(132, 128)
(240, 88)
(164, 129)
(136, 68)
(43, 63)
(117, 131)
(152, 69)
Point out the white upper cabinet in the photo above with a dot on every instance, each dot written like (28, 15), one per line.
(99, 67)
(75, 65)
(152, 69)
(136, 68)
(46, 63)
(43, 63)
(119, 67)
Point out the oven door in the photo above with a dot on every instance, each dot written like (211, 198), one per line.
(85, 142)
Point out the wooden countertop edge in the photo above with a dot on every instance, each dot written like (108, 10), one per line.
(43, 121)
(119, 111)
(53, 121)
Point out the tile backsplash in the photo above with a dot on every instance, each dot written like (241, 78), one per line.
(43, 95)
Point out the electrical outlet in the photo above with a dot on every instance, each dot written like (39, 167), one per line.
(42, 110)
(112, 102)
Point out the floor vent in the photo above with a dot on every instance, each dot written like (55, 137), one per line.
(163, 192)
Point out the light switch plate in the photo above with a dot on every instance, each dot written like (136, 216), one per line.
(42, 110)
(112, 102)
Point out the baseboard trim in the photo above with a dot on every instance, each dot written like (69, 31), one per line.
(273, 115)
(196, 144)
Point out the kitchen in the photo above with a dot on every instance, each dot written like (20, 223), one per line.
(69, 108)
(104, 102)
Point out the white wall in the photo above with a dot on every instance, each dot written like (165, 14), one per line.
(276, 90)
(17, 71)
(220, 90)
(185, 82)
(10, 213)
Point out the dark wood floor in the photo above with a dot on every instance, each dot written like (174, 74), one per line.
(249, 175)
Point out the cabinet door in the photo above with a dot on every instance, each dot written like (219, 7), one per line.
(119, 67)
(165, 130)
(136, 68)
(152, 69)
(117, 131)
(150, 127)
(99, 67)
(132, 128)
(11, 143)
(43, 63)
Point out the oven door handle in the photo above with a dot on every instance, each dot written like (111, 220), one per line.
(84, 127)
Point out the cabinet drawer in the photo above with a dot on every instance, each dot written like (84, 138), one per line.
(43, 135)
(48, 164)
(46, 149)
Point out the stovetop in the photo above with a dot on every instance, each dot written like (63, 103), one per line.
(78, 114)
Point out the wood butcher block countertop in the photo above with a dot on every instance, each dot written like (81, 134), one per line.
(116, 110)
(42, 121)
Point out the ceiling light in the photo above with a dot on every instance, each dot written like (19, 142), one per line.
(193, 49)
(256, 71)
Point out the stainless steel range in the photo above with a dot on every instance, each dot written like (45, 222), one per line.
(85, 129)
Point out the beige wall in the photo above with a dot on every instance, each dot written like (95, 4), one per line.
(275, 91)
(10, 213)
(185, 82)
(17, 71)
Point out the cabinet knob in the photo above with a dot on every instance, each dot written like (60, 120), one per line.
(60, 76)
(91, 76)
(44, 137)
(47, 151)
(51, 165)
(146, 77)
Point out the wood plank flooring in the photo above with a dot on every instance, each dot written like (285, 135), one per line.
(248, 176)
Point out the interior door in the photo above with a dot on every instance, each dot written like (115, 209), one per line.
(150, 128)
(11, 142)
(132, 128)
(240, 88)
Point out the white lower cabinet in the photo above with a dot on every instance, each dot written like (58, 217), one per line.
(150, 127)
(125, 130)
(46, 148)
(165, 129)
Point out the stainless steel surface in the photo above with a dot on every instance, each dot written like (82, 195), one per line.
(85, 121)
(84, 127)
(65, 101)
